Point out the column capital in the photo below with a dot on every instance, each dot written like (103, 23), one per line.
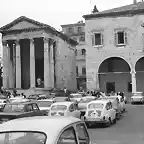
(45, 39)
(133, 72)
(4, 43)
(32, 40)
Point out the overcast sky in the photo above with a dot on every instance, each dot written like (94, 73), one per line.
(53, 12)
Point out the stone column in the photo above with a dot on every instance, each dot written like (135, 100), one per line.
(133, 78)
(18, 65)
(97, 82)
(32, 64)
(5, 65)
(47, 79)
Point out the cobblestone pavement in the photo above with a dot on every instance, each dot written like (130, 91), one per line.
(128, 130)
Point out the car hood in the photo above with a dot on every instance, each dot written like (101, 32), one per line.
(135, 97)
(44, 108)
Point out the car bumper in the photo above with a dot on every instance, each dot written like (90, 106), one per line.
(95, 121)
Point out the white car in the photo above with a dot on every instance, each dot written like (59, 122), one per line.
(64, 109)
(16, 98)
(100, 111)
(137, 97)
(82, 105)
(45, 104)
(76, 97)
(44, 130)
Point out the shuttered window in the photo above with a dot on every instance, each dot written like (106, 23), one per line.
(97, 39)
(120, 38)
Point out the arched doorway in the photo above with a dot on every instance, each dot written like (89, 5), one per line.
(114, 75)
(139, 68)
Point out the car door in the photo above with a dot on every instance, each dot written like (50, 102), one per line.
(67, 136)
(76, 112)
(108, 110)
(82, 134)
(112, 111)
(36, 110)
(71, 110)
(28, 110)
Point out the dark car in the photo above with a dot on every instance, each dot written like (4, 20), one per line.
(18, 110)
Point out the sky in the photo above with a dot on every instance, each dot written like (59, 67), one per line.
(53, 12)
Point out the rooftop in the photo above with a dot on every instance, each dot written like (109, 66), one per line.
(123, 10)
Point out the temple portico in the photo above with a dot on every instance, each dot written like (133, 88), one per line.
(30, 51)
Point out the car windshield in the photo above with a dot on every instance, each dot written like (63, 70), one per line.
(59, 107)
(95, 105)
(22, 138)
(13, 108)
(138, 94)
(44, 103)
(76, 95)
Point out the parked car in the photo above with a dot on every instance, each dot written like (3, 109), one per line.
(83, 103)
(44, 130)
(75, 97)
(137, 97)
(100, 111)
(115, 103)
(15, 110)
(64, 109)
(45, 104)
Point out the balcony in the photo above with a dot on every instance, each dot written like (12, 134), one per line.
(80, 57)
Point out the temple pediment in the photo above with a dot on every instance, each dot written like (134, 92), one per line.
(22, 23)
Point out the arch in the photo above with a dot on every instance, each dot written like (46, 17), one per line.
(114, 64)
(139, 65)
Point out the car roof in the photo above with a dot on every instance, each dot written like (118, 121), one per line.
(63, 103)
(45, 100)
(22, 102)
(49, 125)
(100, 101)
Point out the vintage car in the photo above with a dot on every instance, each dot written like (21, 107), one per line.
(137, 97)
(45, 104)
(44, 130)
(115, 103)
(75, 97)
(15, 110)
(83, 103)
(64, 109)
(100, 111)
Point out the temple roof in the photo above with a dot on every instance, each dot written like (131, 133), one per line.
(24, 24)
(123, 10)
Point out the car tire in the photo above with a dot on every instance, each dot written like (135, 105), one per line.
(114, 121)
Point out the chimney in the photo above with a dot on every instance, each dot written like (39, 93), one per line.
(134, 1)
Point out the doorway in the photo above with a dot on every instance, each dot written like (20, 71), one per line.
(110, 86)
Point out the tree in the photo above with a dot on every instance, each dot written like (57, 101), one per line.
(95, 9)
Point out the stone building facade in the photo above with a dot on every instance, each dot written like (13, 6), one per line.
(115, 49)
(77, 32)
(33, 50)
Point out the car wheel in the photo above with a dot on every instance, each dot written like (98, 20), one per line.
(109, 122)
(114, 121)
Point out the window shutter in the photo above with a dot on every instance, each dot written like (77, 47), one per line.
(102, 39)
(115, 38)
(93, 40)
(125, 37)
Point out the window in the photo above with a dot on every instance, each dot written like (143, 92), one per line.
(83, 51)
(98, 39)
(70, 30)
(120, 38)
(71, 108)
(29, 108)
(76, 52)
(82, 38)
(68, 136)
(110, 65)
(77, 70)
(79, 29)
(82, 134)
(129, 87)
(35, 107)
(83, 70)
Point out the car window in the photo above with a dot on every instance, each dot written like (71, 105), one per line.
(71, 108)
(68, 136)
(35, 107)
(29, 108)
(107, 106)
(83, 136)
